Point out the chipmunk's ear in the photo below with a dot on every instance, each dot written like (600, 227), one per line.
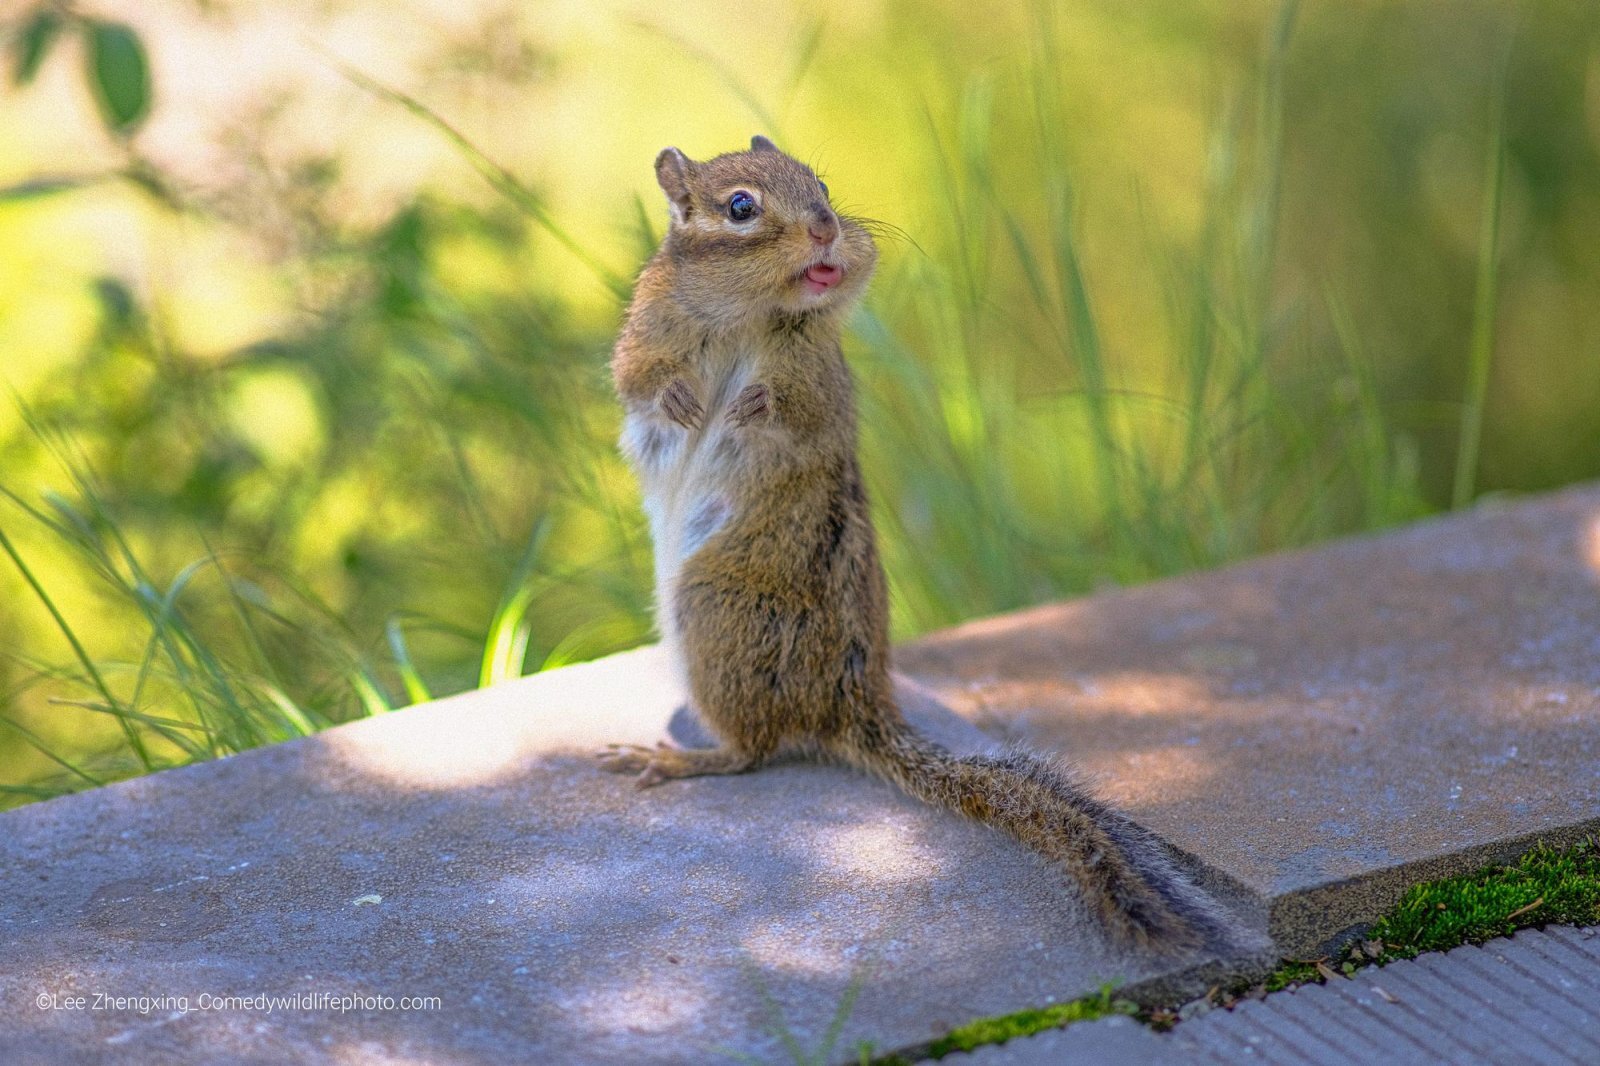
(672, 172)
(759, 143)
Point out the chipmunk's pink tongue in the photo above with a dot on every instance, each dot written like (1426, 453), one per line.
(821, 278)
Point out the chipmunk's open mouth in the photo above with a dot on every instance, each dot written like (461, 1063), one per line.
(820, 277)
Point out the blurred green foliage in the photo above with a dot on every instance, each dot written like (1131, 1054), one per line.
(1164, 286)
(115, 64)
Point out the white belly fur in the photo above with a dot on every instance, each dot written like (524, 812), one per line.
(683, 478)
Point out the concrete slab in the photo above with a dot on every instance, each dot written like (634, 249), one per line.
(1330, 726)
(470, 851)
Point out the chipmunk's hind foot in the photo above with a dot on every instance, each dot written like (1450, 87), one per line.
(665, 763)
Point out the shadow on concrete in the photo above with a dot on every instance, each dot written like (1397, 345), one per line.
(1321, 727)
(1328, 726)
(559, 914)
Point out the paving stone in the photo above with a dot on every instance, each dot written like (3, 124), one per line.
(1556, 983)
(1561, 957)
(1254, 1032)
(1443, 1009)
(470, 850)
(1552, 1014)
(1440, 1010)
(1325, 1014)
(1491, 1005)
(1327, 727)
(1587, 941)
(1409, 1032)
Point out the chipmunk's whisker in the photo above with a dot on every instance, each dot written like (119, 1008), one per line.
(883, 230)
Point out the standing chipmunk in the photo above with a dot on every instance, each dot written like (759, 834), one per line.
(740, 422)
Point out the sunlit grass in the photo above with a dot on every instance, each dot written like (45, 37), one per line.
(184, 697)
(1041, 416)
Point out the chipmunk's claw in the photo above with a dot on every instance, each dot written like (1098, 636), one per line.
(623, 758)
(633, 759)
(754, 402)
(679, 403)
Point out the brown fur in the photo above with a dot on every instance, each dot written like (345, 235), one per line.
(740, 421)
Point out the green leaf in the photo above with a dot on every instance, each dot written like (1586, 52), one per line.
(119, 74)
(33, 44)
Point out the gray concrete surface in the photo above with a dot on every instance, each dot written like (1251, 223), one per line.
(470, 851)
(1316, 731)
(1533, 998)
(1328, 726)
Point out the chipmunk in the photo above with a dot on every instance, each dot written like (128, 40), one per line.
(740, 424)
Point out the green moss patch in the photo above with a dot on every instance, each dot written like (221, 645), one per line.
(999, 1029)
(1027, 1022)
(1545, 886)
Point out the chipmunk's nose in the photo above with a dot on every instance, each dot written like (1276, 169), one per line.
(823, 225)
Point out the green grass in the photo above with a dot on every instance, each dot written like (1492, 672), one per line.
(1485, 295)
(185, 695)
(211, 673)
(458, 514)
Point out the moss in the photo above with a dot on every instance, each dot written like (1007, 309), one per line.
(1545, 886)
(1005, 1027)
(1292, 972)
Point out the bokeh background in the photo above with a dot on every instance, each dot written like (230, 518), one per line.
(305, 307)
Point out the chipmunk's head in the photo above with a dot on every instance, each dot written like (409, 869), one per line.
(753, 234)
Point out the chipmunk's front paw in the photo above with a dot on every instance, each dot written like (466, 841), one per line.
(633, 759)
(753, 403)
(679, 403)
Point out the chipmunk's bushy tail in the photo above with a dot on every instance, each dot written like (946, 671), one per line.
(1139, 893)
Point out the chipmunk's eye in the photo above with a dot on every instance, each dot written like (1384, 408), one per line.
(742, 207)
(824, 187)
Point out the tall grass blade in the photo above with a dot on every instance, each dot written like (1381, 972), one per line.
(38, 744)
(416, 688)
(135, 742)
(505, 651)
(1485, 294)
